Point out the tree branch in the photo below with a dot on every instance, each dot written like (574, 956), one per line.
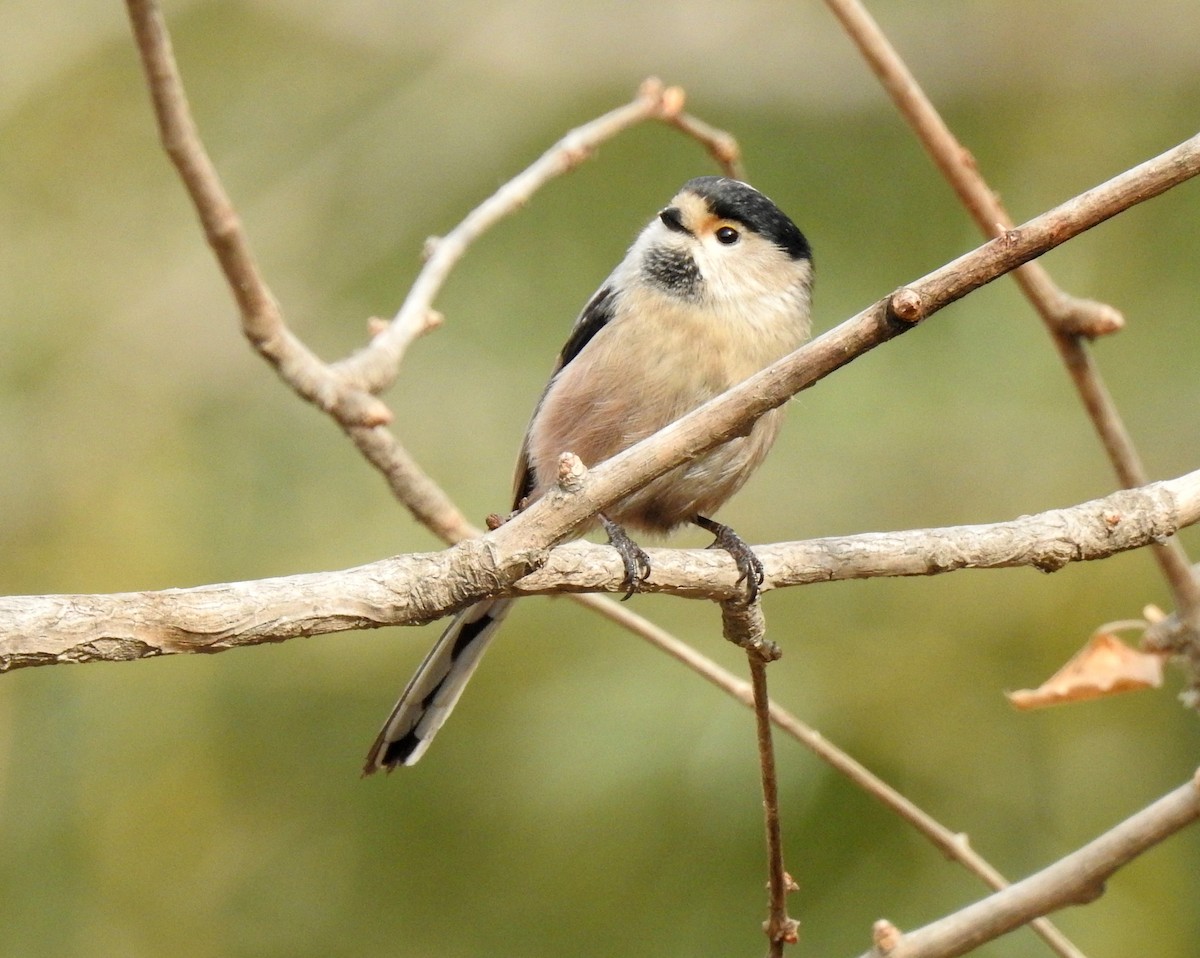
(262, 319)
(1070, 320)
(1075, 879)
(1064, 313)
(413, 589)
(955, 845)
(376, 366)
(745, 625)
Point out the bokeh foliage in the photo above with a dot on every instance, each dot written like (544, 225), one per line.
(589, 798)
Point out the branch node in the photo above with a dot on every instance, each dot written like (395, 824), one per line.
(571, 472)
(433, 319)
(377, 325)
(651, 89)
(1169, 633)
(745, 626)
(673, 99)
(1078, 316)
(886, 936)
(907, 305)
(786, 931)
(574, 152)
(353, 407)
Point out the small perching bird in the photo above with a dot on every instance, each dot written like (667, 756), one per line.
(714, 289)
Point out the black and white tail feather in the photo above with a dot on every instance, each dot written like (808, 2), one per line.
(434, 690)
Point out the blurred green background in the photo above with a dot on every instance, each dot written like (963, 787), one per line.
(589, 797)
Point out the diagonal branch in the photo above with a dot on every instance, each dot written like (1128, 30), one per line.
(1064, 313)
(376, 366)
(955, 846)
(1070, 320)
(728, 415)
(1075, 879)
(262, 319)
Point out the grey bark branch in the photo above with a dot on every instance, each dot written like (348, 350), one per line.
(413, 589)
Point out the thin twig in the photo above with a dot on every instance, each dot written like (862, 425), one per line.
(722, 146)
(780, 928)
(361, 415)
(744, 625)
(1071, 321)
(411, 485)
(954, 845)
(1067, 313)
(376, 366)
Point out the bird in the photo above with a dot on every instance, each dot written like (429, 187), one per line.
(715, 288)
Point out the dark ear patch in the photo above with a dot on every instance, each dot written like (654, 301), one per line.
(672, 269)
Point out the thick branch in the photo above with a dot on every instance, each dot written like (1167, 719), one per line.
(1124, 520)
(412, 589)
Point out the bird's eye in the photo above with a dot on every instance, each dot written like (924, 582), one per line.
(727, 236)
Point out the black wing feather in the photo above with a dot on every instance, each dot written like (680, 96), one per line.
(595, 316)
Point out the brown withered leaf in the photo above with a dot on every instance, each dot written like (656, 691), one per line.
(1105, 666)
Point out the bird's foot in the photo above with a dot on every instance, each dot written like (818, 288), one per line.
(749, 565)
(637, 563)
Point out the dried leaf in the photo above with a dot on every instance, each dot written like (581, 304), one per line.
(1105, 666)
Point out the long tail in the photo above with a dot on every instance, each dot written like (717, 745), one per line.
(434, 690)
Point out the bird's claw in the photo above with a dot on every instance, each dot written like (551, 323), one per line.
(634, 558)
(750, 567)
